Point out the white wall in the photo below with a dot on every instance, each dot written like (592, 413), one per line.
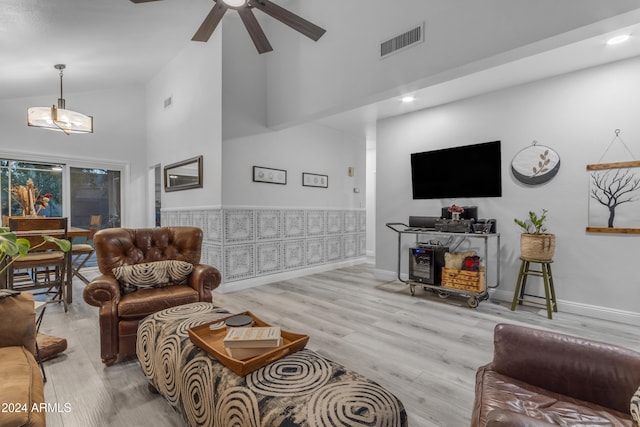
(307, 148)
(371, 199)
(191, 126)
(244, 88)
(118, 138)
(270, 239)
(277, 232)
(576, 115)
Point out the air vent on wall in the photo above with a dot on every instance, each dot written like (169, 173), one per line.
(403, 41)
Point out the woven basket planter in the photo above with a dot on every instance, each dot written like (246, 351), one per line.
(537, 246)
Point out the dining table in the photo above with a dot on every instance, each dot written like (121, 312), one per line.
(72, 233)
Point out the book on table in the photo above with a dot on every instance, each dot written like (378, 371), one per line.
(247, 353)
(245, 343)
(257, 337)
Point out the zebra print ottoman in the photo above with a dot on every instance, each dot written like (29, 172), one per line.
(303, 389)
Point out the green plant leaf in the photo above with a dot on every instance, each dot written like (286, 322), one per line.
(534, 224)
(23, 246)
(10, 245)
(63, 244)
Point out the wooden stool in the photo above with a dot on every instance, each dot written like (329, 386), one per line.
(545, 273)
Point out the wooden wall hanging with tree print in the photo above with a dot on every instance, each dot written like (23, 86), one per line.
(614, 194)
(614, 197)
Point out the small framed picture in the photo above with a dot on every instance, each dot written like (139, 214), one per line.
(315, 180)
(270, 176)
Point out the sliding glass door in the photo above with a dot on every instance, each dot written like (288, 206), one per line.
(95, 192)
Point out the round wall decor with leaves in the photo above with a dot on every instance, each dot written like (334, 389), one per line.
(535, 164)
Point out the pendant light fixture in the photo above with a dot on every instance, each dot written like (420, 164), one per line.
(58, 118)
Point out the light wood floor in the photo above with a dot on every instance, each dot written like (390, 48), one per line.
(424, 349)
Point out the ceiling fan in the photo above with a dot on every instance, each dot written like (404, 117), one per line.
(245, 10)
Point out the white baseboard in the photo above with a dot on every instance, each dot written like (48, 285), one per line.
(603, 313)
(287, 275)
(597, 312)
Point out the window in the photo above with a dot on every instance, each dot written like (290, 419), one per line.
(47, 179)
(92, 191)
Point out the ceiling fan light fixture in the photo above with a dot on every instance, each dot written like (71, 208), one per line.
(58, 118)
(235, 4)
(245, 9)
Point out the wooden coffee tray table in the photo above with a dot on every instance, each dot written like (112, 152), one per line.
(211, 341)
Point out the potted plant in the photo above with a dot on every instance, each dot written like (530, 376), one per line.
(535, 242)
(12, 246)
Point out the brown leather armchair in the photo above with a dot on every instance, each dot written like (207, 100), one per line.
(22, 390)
(542, 378)
(120, 313)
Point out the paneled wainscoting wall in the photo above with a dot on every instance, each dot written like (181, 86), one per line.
(246, 243)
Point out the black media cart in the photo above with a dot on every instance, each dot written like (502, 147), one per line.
(452, 242)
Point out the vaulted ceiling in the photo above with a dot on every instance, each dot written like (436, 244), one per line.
(114, 43)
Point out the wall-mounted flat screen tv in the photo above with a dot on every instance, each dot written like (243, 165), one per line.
(466, 171)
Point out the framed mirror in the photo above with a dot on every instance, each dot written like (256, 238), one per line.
(183, 175)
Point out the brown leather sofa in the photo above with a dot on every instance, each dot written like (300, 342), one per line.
(120, 313)
(541, 378)
(21, 382)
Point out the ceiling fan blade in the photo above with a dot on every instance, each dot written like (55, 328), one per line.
(289, 18)
(210, 23)
(255, 30)
(142, 1)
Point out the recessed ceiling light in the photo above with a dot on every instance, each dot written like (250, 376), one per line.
(407, 99)
(618, 39)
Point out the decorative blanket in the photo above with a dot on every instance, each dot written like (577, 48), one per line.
(303, 389)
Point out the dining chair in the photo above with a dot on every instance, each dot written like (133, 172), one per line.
(82, 252)
(45, 266)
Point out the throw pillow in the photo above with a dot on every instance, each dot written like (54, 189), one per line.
(635, 407)
(455, 259)
(178, 271)
(152, 274)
